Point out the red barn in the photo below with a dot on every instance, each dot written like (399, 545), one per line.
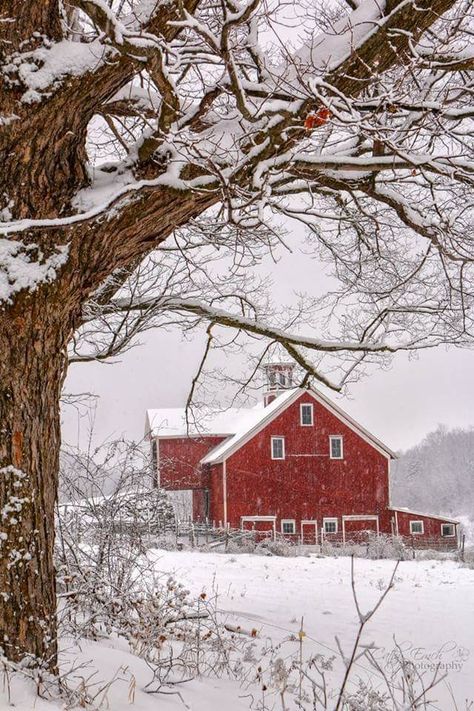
(295, 464)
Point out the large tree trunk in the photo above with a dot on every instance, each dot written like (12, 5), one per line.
(34, 333)
(32, 369)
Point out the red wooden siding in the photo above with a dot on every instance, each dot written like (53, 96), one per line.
(431, 529)
(216, 513)
(178, 461)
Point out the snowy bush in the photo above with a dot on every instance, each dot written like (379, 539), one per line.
(384, 546)
(433, 554)
(468, 557)
(241, 545)
(279, 547)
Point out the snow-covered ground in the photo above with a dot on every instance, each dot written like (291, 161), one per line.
(430, 612)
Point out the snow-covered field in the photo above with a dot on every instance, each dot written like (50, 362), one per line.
(430, 612)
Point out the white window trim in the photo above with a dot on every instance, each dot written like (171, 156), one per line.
(330, 520)
(283, 447)
(310, 405)
(448, 535)
(331, 438)
(417, 533)
(288, 520)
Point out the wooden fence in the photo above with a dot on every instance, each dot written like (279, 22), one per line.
(202, 535)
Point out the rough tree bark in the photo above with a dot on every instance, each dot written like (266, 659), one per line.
(32, 370)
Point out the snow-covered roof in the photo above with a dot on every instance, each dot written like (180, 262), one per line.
(250, 420)
(256, 419)
(171, 422)
(239, 425)
(403, 509)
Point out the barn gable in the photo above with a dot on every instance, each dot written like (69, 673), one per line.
(252, 425)
(171, 422)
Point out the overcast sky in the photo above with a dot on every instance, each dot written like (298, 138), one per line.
(400, 405)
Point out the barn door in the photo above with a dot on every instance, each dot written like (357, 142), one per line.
(358, 529)
(309, 532)
(263, 527)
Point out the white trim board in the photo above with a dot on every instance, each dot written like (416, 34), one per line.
(258, 519)
(194, 435)
(400, 509)
(224, 491)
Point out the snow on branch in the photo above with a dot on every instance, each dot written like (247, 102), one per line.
(254, 326)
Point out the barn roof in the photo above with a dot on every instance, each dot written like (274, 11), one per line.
(171, 422)
(239, 425)
(256, 418)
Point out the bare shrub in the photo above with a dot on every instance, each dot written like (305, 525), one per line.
(468, 557)
(384, 546)
(278, 547)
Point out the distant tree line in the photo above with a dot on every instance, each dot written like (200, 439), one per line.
(437, 474)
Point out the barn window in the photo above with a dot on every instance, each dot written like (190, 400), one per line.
(288, 525)
(306, 414)
(417, 527)
(330, 525)
(447, 530)
(336, 450)
(278, 447)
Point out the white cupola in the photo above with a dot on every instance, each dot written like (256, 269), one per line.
(278, 377)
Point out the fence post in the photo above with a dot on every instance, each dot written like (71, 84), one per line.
(463, 542)
(413, 547)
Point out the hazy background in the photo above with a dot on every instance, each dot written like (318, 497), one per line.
(400, 405)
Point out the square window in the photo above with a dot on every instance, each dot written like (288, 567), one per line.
(335, 447)
(288, 525)
(417, 527)
(447, 530)
(306, 414)
(330, 525)
(278, 447)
